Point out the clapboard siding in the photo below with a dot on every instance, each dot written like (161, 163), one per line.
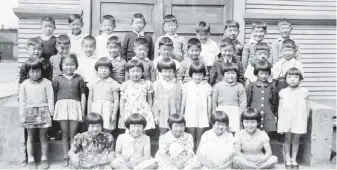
(318, 52)
(64, 4)
(323, 7)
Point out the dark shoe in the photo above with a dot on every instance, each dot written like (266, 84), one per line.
(31, 165)
(65, 162)
(58, 136)
(44, 164)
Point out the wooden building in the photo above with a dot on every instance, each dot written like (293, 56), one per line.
(9, 44)
(314, 23)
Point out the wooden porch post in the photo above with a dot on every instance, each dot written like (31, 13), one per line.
(85, 5)
(238, 13)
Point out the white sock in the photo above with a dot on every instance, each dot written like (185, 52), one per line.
(30, 159)
(43, 158)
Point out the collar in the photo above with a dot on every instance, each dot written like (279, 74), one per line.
(81, 35)
(252, 41)
(222, 59)
(173, 36)
(107, 80)
(260, 84)
(141, 34)
(228, 84)
(281, 39)
(117, 58)
(67, 77)
(136, 58)
(45, 38)
(37, 81)
(248, 136)
(207, 42)
(293, 60)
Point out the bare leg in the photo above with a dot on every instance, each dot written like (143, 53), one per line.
(44, 142)
(199, 132)
(287, 144)
(294, 148)
(117, 164)
(65, 136)
(73, 129)
(242, 163)
(270, 163)
(30, 141)
(192, 131)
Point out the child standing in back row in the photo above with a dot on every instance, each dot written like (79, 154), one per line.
(285, 28)
(70, 101)
(138, 24)
(108, 24)
(76, 35)
(209, 48)
(232, 30)
(49, 40)
(170, 26)
(293, 111)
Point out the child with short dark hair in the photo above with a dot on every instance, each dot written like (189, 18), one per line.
(170, 27)
(229, 96)
(136, 96)
(166, 47)
(133, 148)
(141, 50)
(262, 95)
(288, 61)
(63, 48)
(93, 148)
(76, 35)
(138, 24)
(216, 149)
(249, 143)
(193, 52)
(232, 30)
(36, 106)
(196, 103)
(285, 28)
(259, 30)
(262, 52)
(34, 48)
(227, 50)
(293, 114)
(167, 94)
(209, 48)
(118, 63)
(108, 24)
(176, 146)
(48, 39)
(104, 95)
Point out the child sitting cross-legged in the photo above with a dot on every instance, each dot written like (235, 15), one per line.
(133, 148)
(249, 143)
(94, 148)
(216, 146)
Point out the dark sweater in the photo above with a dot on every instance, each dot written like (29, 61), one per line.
(68, 89)
(49, 47)
(47, 71)
(127, 46)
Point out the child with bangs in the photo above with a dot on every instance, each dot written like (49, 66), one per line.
(196, 103)
(165, 51)
(63, 48)
(104, 95)
(193, 56)
(92, 149)
(262, 95)
(216, 149)
(167, 94)
(229, 96)
(293, 114)
(227, 55)
(133, 148)
(249, 143)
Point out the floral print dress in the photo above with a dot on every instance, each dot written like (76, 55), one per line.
(93, 151)
(135, 95)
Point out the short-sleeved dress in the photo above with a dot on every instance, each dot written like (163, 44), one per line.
(93, 151)
(176, 149)
(133, 148)
(216, 149)
(135, 95)
(263, 97)
(167, 99)
(196, 113)
(103, 99)
(68, 91)
(292, 112)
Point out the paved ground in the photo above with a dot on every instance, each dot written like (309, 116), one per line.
(9, 74)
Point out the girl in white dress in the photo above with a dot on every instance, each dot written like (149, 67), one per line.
(216, 145)
(196, 102)
(104, 95)
(293, 114)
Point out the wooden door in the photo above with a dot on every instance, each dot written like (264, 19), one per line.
(190, 12)
(123, 11)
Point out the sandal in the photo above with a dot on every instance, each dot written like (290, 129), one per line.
(294, 165)
(288, 164)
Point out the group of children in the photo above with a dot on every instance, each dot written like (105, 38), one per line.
(212, 90)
